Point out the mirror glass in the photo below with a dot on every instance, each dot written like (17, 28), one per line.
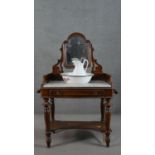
(76, 48)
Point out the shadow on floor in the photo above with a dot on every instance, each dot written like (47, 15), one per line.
(72, 136)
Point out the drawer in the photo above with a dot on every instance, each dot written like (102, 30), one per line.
(76, 93)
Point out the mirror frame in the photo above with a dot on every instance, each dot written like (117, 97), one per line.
(95, 67)
(63, 49)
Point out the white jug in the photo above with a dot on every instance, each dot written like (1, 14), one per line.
(79, 66)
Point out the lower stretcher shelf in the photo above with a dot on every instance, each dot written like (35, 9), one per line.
(55, 125)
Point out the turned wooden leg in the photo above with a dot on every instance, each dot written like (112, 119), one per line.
(107, 119)
(48, 139)
(47, 121)
(102, 107)
(52, 112)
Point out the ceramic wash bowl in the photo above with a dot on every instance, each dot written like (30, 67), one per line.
(72, 78)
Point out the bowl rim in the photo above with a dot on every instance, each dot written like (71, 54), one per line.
(71, 74)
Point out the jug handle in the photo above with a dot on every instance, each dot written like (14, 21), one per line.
(84, 60)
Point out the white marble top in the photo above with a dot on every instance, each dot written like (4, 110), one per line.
(61, 84)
